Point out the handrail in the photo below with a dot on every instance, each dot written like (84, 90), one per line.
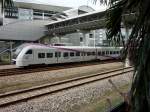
(5, 50)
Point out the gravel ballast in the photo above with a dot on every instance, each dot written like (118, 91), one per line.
(9, 83)
(71, 100)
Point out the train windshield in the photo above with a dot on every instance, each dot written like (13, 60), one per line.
(18, 50)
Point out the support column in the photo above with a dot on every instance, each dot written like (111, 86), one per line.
(94, 38)
(127, 34)
(43, 15)
(11, 51)
(59, 39)
(127, 61)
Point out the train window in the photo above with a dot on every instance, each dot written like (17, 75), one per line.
(99, 53)
(114, 52)
(71, 54)
(77, 53)
(107, 52)
(29, 52)
(110, 52)
(93, 53)
(117, 52)
(88, 53)
(57, 54)
(49, 55)
(83, 53)
(41, 55)
(121, 52)
(103, 53)
(65, 54)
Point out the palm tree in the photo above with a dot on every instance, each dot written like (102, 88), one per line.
(137, 47)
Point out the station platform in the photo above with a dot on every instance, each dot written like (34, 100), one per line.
(7, 66)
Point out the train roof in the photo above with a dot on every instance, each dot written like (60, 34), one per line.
(42, 46)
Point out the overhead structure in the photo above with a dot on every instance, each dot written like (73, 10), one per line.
(89, 21)
(48, 7)
(29, 27)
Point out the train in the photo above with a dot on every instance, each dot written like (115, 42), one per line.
(34, 54)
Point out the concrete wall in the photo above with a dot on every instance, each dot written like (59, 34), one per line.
(74, 38)
(9, 20)
(89, 38)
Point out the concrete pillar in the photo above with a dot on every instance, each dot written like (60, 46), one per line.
(59, 39)
(94, 36)
(43, 15)
(127, 34)
(1, 12)
(11, 51)
(127, 62)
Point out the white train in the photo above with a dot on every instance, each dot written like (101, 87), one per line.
(31, 54)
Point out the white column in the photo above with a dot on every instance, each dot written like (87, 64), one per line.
(11, 53)
(43, 15)
(2, 11)
(94, 37)
(59, 39)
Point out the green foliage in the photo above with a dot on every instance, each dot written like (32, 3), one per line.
(138, 45)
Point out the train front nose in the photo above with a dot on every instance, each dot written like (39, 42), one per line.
(14, 61)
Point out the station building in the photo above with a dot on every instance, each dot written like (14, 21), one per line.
(75, 38)
(30, 11)
(25, 22)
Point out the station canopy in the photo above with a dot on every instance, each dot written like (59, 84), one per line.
(41, 6)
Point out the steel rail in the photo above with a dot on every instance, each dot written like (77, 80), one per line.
(34, 92)
(33, 69)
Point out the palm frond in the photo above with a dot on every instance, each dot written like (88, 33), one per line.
(138, 45)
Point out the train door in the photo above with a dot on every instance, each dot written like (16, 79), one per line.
(78, 54)
(84, 54)
(58, 56)
(65, 56)
(41, 56)
(50, 56)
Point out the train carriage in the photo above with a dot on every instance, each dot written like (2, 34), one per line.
(32, 54)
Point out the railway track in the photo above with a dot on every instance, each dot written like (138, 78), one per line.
(41, 68)
(35, 92)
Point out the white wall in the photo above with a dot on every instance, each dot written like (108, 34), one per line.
(9, 20)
